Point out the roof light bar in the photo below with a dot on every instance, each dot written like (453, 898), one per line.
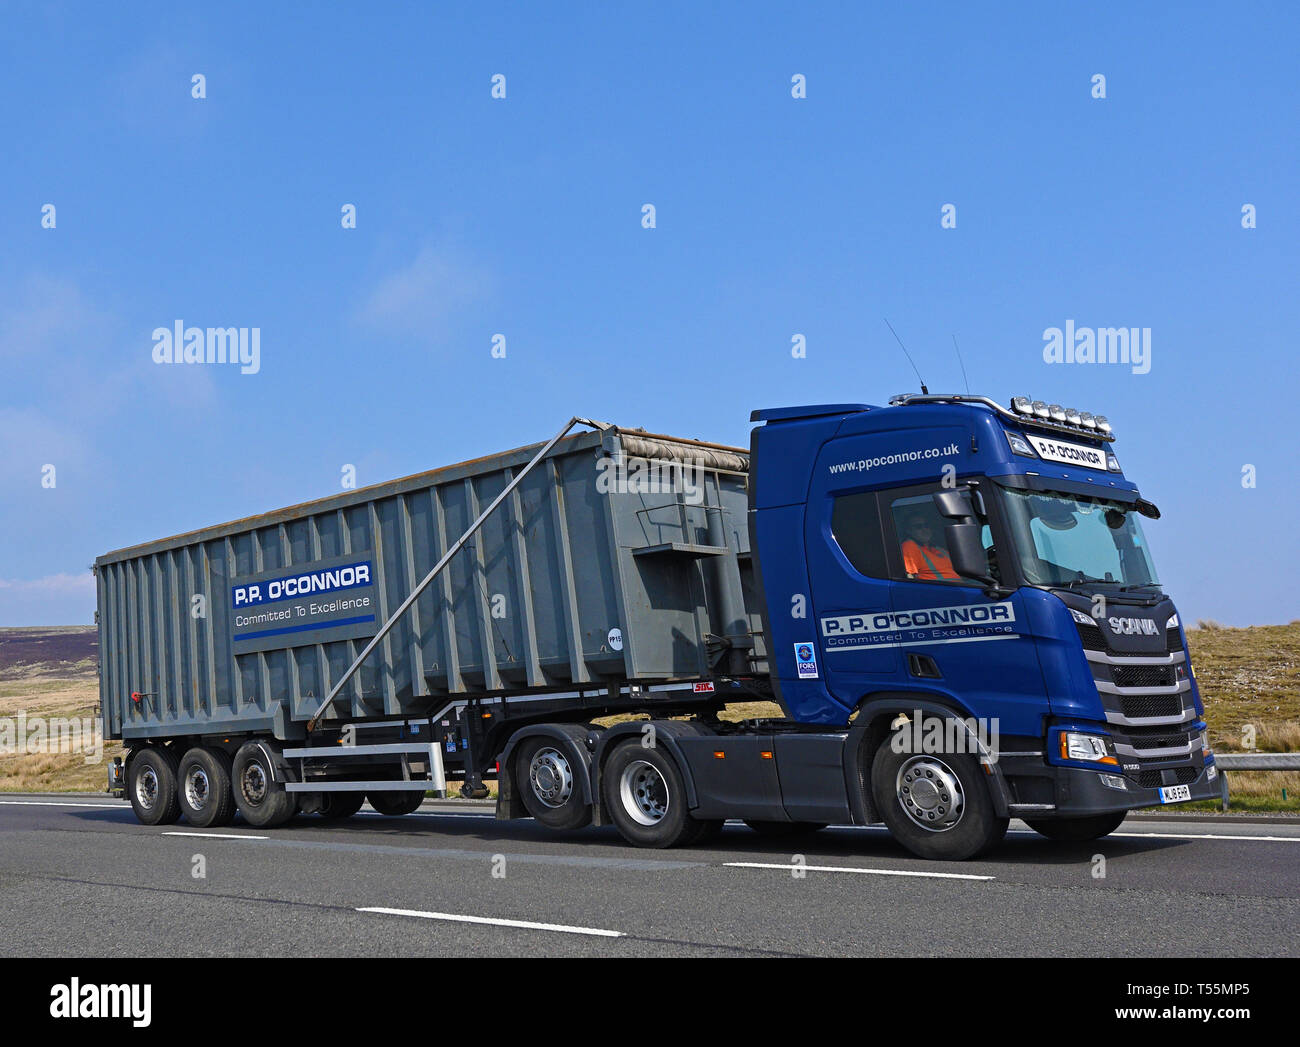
(1023, 409)
(1068, 418)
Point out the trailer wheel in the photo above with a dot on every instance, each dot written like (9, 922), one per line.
(780, 829)
(151, 785)
(548, 784)
(937, 805)
(645, 795)
(337, 806)
(203, 790)
(396, 802)
(1074, 830)
(262, 800)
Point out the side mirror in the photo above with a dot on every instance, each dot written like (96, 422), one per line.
(962, 533)
(1149, 509)
(967, 551)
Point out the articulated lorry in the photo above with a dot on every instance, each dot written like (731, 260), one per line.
(952, 602)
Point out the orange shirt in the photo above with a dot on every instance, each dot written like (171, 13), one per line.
(926, 561)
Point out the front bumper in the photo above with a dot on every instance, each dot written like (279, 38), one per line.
(1047, 791)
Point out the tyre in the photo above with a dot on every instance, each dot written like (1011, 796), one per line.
(779, 829)
(151, 785)
(937, 805)
(203, 789)
(337, 806)
(645, 795)
(396, 802)
(1074, 830)
(548, 784)
(707, 830)
(261, 799)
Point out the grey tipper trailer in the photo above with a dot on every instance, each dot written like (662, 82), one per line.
(372, 642)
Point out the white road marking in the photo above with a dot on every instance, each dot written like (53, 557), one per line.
(494, 921)
(848, 869)
(54, 803)
(1151, 835)
(1209, 836)
(218, 836)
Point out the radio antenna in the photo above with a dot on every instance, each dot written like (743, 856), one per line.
(907, 354)
(963, 365)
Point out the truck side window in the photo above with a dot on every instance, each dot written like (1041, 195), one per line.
(920, 535)
(855, 523)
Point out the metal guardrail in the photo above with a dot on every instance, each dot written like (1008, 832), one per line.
(1258, 761)
(1252, 762)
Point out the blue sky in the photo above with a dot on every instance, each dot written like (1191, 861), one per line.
(775, 216)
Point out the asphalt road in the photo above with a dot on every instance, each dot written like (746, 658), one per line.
(79, 876)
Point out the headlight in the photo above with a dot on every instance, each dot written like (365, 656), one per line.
(1173, 623)
(1205, 745)
(1081, 618)
(1019, 445)
(1112, 463)
(1090, 748)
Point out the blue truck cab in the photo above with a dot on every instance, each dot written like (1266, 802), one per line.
(956, 573)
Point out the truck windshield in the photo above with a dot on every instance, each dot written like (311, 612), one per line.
(1064, 539)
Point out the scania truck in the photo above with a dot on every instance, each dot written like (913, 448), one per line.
(953, 603)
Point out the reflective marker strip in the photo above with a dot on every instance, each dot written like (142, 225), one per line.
(494, 922)
(54, 803)
(217, 836)
(847, 869)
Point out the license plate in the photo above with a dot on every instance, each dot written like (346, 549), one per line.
(1175, 793)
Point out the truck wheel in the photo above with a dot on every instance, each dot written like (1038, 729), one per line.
(1092, 827)
(396, 802)
(549, 786)
(936, 805)
(151, 786)
(204, 789)
(779, 829)
(262, 800)
(646, 797)
(337, 806)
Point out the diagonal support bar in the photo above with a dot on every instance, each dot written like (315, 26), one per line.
(446, 559)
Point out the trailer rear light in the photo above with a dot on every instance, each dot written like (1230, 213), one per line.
(136, 696)
(498, 767)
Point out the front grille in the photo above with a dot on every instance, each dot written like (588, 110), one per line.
(1092, 639)
(1151, 705)
(1155, 779)
(1143, 676)
(1095, 640)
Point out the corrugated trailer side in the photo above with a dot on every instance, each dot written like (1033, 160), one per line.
(592, 572)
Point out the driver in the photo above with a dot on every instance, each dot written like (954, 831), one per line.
(921, 559)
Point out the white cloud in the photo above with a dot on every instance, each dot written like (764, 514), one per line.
(419, 297)
(50, 585)
(56, 599)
